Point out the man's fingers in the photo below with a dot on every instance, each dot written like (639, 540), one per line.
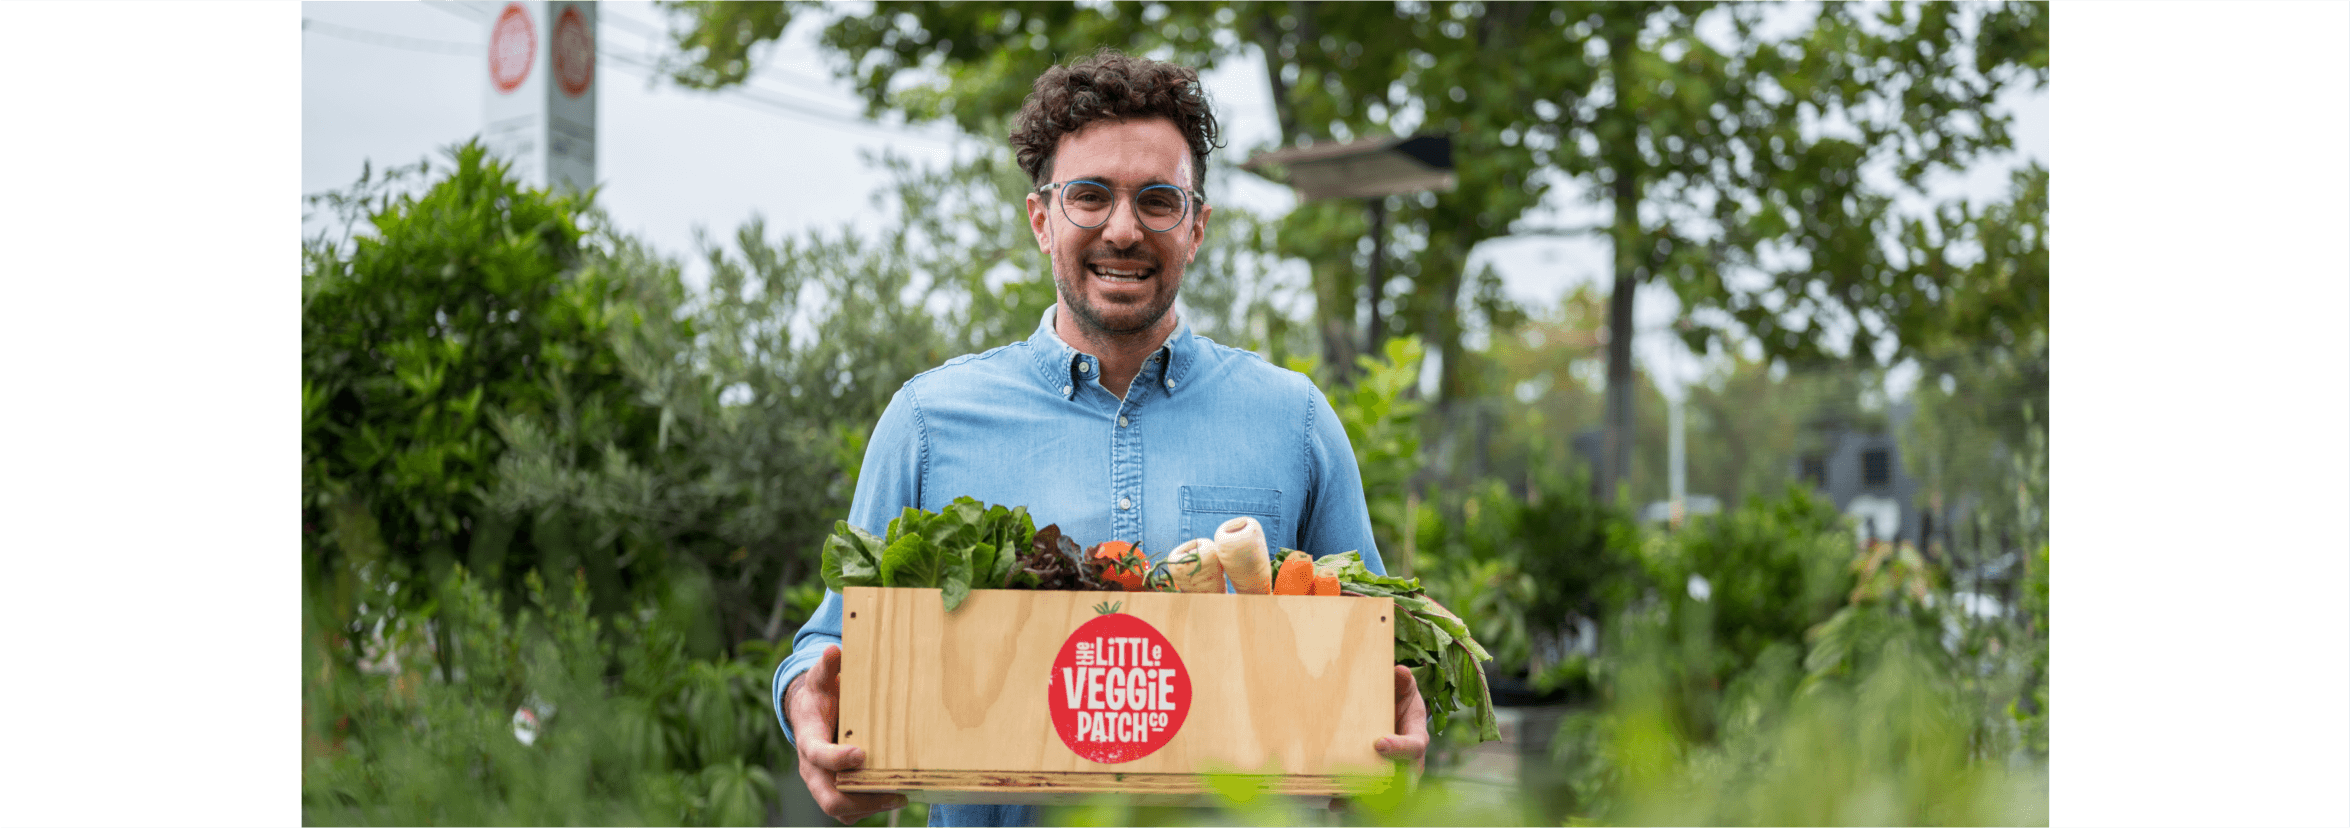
(1411, 711)
(849, 807)
(833, 757)
(1410, 742)
(814, 717)
(826, 673)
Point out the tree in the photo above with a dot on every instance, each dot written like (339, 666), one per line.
(1332, 69)
(466, 304)
(1718, 149)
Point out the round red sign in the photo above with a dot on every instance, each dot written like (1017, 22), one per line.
(1118, 690)
(575, 53)
(512, 45)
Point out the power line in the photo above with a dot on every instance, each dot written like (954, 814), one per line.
(741, 94)
(414, 44)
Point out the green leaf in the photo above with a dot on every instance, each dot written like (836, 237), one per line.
(851, 558)
(910, 561)
(955, 582)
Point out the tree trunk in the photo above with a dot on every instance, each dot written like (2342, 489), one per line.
(1616, 446)
(1631, 252)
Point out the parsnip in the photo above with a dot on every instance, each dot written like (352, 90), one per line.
(1196, 567)
(1241, 543)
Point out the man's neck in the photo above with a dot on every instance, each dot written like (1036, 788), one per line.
(1122, 355)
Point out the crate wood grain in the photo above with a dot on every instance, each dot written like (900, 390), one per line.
(953, 708)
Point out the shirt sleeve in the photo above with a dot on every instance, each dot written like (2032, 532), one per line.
(1337, 518)
(889, 481)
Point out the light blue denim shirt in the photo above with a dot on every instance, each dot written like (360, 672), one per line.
(1206, 433)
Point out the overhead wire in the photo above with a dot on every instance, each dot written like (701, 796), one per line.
(742, 94)
(414, 44)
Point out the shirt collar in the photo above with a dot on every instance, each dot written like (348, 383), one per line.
(1059, 363)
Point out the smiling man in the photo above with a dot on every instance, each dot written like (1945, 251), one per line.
(1113, 420)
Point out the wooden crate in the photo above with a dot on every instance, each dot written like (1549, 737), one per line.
(955, 707)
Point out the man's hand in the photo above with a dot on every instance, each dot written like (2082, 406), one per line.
(813, 704)
(1410, 742)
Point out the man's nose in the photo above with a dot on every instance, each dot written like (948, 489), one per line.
(1124, 228)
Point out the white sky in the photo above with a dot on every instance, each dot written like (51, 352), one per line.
(390, 83)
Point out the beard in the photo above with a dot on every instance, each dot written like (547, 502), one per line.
(1115, 319)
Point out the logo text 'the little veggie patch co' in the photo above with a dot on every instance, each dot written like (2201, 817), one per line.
(1118, 690)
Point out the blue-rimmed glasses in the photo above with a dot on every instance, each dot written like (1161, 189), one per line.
(1088, 204)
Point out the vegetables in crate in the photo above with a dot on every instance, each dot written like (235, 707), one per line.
(972, 545)
(1429, 639)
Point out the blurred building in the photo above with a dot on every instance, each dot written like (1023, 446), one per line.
(1856, 463)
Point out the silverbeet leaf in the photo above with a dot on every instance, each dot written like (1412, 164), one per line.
(851, 558)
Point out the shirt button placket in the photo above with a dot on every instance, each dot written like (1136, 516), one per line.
(1126, 478)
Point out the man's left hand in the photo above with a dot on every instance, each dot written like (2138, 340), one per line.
(1410, 742)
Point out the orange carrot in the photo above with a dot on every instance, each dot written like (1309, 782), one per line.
(1296, 576)
(1325, 584)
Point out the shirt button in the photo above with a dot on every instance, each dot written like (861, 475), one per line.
(1064, 390)
(1121, 422)
(1084, 367)
(1170, 383)
(1125, 503)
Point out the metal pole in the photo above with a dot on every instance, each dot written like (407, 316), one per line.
(1680, 458)
(1373, 285)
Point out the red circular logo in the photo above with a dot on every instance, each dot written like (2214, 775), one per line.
(1118, 690)
(575, 53)
(512, 45)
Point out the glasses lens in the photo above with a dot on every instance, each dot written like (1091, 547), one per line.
(1160, 207)
(1086, 203)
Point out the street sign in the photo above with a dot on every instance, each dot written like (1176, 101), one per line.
(539, 108)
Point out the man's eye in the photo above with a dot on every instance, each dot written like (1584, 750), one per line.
(1161, 202)
(1088, 198)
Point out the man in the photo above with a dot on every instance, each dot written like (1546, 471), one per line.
(1113, 420)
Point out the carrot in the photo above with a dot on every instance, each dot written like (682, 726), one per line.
(1241, 543)
(1297, 575)
(1325, 584)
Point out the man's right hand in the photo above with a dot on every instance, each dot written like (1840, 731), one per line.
(812, 702)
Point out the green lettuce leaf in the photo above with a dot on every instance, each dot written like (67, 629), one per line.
(851, 558)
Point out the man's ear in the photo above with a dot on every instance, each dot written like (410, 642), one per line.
(1199, 232)
(1038, 217)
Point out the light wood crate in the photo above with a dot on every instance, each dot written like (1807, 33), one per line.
(953, 707)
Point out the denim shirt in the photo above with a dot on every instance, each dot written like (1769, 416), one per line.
(1205, 434)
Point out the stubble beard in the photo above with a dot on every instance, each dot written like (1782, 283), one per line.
(1116, 322)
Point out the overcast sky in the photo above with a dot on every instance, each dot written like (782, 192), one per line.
(392, 83)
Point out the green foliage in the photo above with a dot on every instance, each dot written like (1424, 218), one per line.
(467, 305)
(1381, 417)
(630, 729)
(968, 544)
(1772, 569)
(1888, 747)
(1445, 659)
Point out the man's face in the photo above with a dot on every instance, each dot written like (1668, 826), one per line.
(1119, 278)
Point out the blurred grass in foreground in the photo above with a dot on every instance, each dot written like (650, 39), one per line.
(1890, 748)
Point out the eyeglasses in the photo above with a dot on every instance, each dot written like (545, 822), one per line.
(1088, 204)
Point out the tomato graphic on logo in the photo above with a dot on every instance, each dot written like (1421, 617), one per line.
(1118, 690)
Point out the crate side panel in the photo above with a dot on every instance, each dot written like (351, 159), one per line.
(1286, 684)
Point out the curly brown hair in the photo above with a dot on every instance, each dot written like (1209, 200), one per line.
(1112, 86)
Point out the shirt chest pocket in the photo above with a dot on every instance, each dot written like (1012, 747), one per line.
(1207, 507)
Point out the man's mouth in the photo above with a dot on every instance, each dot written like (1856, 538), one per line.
(1121, 275)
